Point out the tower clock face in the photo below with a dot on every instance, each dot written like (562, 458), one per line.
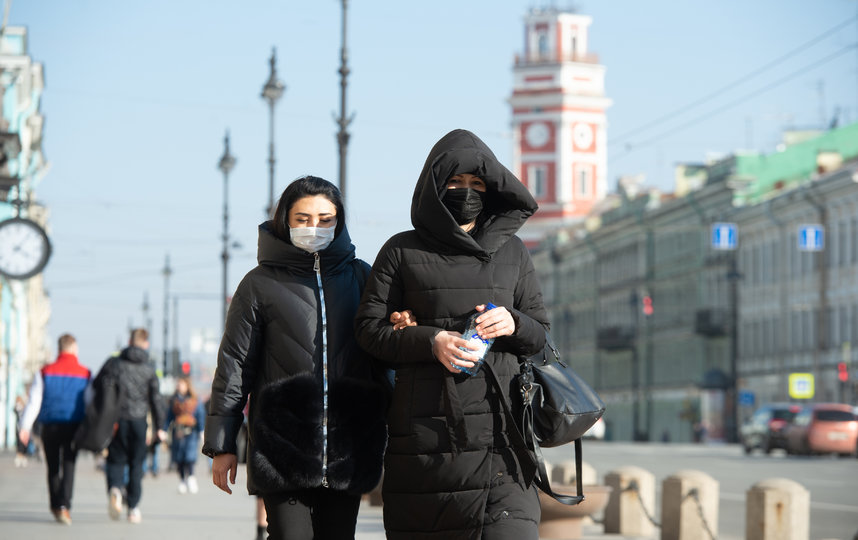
(24, 248)
(583, 135)
(537, 134)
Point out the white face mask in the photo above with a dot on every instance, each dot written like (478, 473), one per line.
(312, 239)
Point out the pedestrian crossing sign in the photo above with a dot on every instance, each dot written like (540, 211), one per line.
(801, 385)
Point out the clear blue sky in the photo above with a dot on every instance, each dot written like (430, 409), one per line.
(139, 95)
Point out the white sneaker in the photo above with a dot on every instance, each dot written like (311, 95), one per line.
(183, 487)
(134, 516)
(192, 484)
(114, 503)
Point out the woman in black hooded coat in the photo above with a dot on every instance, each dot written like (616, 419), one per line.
(316, 418)
(450, 471)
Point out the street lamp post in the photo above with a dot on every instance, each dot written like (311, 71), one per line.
(343, 122)
(226, 164)
(166, 272)
(271, 92)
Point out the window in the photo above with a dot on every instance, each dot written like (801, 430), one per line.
(542, 44)
(537, 180)
(582, 182)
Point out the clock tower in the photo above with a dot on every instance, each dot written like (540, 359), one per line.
(558, 120)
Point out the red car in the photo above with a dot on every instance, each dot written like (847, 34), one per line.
(823, 428)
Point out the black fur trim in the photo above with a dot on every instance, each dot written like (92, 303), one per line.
(357, 434)
(287, 434)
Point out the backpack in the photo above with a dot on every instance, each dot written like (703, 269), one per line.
(102, 412)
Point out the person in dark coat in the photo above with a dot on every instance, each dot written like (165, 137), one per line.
(316, 424)
(140, 395)
(185, 420)
(450, 471)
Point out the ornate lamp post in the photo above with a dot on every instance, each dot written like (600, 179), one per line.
(343, 122)
(271, 92)
(226, 163)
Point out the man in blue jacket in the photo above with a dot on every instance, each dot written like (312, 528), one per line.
(57, 401)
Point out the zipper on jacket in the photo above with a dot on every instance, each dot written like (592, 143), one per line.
(317, 268)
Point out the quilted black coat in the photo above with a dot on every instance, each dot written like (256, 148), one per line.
(288, 349)
(445, 429)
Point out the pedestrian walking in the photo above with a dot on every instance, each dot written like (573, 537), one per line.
(450, 471)
(316, 417)
(185, 420)
(139, 395)
(56, 399)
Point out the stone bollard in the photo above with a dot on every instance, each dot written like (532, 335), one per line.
(685, 495)
(777, 509)
(625, 514)
(564, 473)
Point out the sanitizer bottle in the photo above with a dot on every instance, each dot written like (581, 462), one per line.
(470, 335)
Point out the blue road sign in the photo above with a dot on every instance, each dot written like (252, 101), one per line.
(746, 397)
(724, 236)
(811, 237)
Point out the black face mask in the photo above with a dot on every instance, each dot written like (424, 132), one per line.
(464, 204)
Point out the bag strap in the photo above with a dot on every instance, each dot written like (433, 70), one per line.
(527, 448)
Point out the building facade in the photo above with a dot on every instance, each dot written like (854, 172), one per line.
(24, 307)
(727, 327)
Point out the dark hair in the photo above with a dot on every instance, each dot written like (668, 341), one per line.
(306, 186)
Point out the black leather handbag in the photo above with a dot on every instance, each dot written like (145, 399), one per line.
(558, 407)
(558, 404)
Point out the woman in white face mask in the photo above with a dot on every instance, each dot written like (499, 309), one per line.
(316, 422)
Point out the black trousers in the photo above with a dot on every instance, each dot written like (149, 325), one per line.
(60, 457)
(128, 448)
(323, 514)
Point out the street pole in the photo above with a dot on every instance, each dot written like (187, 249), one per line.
(166, 272)
(271, 93)
(343, 122)
(733, 277)
(633, 303)
(226, 164)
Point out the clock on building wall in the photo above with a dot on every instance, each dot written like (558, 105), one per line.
(583, 135)
(537, 134)
(24, 248)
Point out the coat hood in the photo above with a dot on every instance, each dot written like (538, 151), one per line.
(272, 251)
(135, 355)
(508, 202)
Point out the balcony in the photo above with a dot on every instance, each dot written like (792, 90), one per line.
(711, 322)
(615, 338)
(554, 58)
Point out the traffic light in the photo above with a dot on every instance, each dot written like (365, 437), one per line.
(842, 372)
(186, 368)
(646, 305)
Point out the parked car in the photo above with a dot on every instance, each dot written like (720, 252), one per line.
(764, 430)
(824, 428)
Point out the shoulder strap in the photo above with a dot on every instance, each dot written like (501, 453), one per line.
(526, 447)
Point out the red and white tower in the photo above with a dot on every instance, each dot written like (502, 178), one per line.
(558, 118)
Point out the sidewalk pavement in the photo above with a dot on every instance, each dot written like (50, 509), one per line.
(167, 514)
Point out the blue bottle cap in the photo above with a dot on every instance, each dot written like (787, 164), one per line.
(490, 306)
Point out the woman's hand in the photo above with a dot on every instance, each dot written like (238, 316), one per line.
(401, 319)
(445, 347)
(495, 322)
(221, 465)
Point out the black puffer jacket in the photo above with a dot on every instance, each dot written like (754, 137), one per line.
(140, 388)
(288, 349)
(445, 430)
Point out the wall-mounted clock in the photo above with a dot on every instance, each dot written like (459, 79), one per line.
(537, 134)
(583, 135)
(24, 248)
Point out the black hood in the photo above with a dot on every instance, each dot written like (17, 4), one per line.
(508, 202)
(272, 251)
(134, 354)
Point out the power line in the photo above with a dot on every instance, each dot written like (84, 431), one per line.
(730, 86)
(729, 105)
